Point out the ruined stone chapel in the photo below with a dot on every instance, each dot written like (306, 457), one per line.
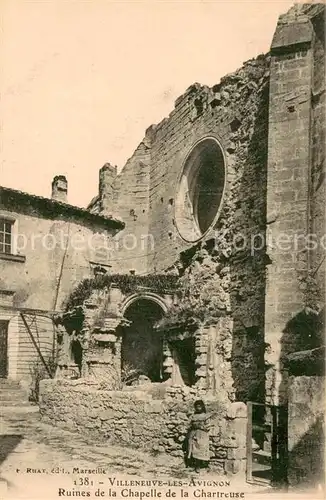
(204, 199)
(215, 277)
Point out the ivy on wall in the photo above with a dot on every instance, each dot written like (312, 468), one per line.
(127, 283)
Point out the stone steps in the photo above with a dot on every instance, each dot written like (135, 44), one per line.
(11, 394)
(261, 466)
(6, 383)
(262, 457)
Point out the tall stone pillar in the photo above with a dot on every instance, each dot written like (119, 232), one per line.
(287, 190)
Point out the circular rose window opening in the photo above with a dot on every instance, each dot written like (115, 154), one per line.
(200, 190)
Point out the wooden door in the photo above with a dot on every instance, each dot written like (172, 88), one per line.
(3, 348)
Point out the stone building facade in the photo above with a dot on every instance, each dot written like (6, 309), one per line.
(228, 194)
(218, 273)
(47, 246)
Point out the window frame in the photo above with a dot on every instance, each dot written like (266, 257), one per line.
(4, 232)
(186, 216)
(13, 255)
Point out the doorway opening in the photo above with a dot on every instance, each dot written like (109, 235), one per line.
(4, 348)
(184, 356)
(77, 353)
(142, 345)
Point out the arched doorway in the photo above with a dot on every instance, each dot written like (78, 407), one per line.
(141, 348)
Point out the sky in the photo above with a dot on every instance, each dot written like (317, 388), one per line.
(81, 80)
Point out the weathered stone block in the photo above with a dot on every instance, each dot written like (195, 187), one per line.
(219, 452)
(237, 410)
(237, 426)
(217, 466)
(236, 453)
(177, 453)
(138, 430)
(202, 349)
(201, 360)
(201, 372)
(154, 407)
(235, 433)
(290, 34)
(235, 467)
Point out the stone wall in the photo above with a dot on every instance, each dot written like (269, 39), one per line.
(230, 113)
(155, 419)
(274, 104)
(295, 186)
(231, 277)
(227, 295)
(49, 271)
(235, 113)
(131, 202)
(55, 254)
(306, 430)
(316, 292)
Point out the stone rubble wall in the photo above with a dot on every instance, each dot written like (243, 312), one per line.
(275, 186)
(230, 296)
(235, 112)
(136, 418)
(306, 430)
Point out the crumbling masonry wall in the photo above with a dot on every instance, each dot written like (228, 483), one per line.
(235, 112)
(268, 118)
(306, 430)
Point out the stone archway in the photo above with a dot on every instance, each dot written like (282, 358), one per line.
(142, 345)
(151, 296)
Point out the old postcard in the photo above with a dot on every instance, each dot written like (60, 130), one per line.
(162, 249)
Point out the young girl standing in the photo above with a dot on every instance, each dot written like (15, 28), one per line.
(198, 439)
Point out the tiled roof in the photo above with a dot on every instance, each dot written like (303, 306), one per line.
(51, 208)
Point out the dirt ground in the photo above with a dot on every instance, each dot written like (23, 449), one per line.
(39, 461)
